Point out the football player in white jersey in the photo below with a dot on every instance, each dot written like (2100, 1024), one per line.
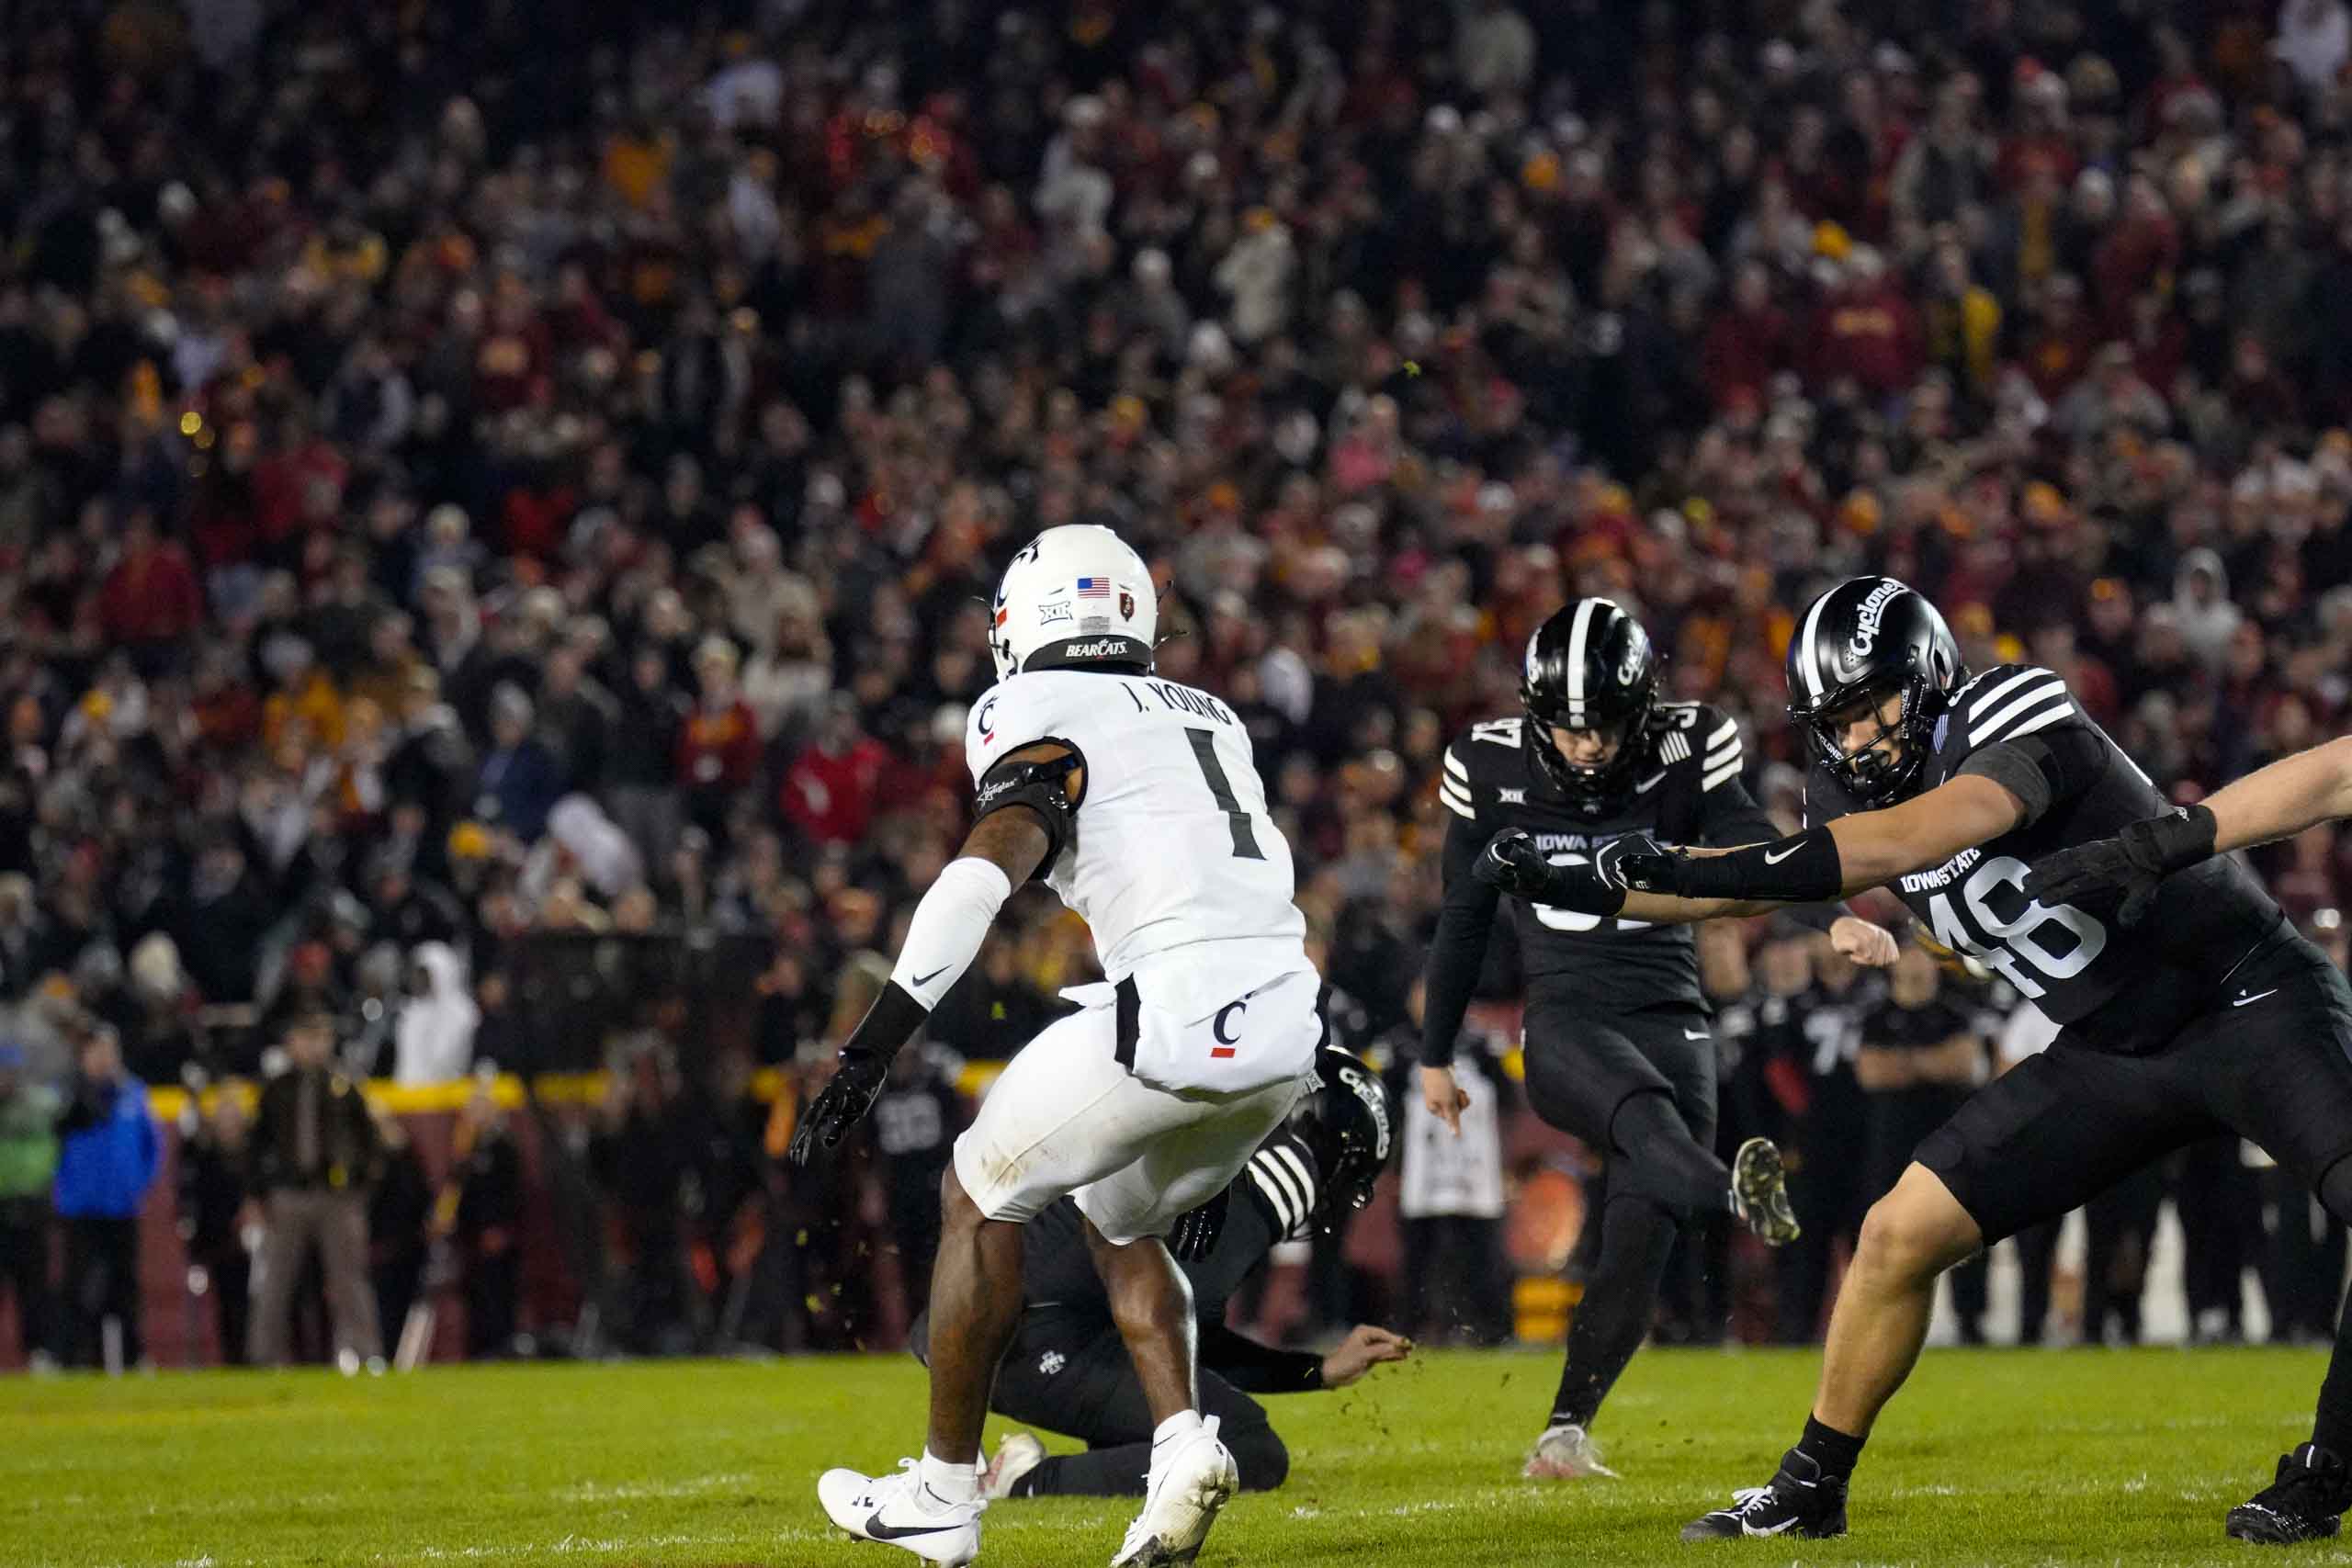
(1138, 801)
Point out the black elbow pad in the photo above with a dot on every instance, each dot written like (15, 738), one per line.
(1043, 785)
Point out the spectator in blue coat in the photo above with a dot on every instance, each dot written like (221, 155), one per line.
(519, 780)
(106, 1162)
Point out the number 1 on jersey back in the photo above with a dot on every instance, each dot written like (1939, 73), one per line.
(1245, 842)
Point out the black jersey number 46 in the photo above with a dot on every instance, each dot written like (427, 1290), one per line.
(2029, 942)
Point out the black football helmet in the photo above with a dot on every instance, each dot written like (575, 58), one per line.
(1590, 667)
(1344, 1121)
(1864, 639)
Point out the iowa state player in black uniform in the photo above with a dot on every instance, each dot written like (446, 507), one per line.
(2214, 1015)
(1618, 1048)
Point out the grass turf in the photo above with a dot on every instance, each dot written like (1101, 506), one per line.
(2011, 1457)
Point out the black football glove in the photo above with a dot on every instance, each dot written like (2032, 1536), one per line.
(842, 1104)
(1511, 862)
(1636, 861)
(1196, 1230)
(2132, 865)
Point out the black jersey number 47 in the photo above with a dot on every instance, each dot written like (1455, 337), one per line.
(1983, 910)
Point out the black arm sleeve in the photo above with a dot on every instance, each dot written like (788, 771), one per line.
(1258, 1369)
(1458, 950)
(1733, 818)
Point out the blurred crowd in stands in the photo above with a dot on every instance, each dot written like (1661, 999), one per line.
(469, 473)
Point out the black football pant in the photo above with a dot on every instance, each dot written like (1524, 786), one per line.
(2269, 1060)
(1638, 1088)
(1071, 1374)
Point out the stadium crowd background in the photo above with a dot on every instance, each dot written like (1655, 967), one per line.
(474, 472)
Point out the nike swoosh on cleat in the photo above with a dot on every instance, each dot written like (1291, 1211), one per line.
(1694, 1034)
(880, 1532)
(1771, 859)
(1787, 1524)
(927, 979)
(2255, 998)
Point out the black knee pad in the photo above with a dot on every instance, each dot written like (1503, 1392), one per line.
(1261, 1456)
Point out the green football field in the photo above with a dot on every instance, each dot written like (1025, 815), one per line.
(2023, 1457)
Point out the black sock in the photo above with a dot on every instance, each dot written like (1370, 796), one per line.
(1664, 1160)
(2332, 1429)
(1637, 1238)
(1832, 1450)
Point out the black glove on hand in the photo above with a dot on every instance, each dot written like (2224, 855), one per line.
(2134, 863)
(842, 1104)
(1511, 861)
(1196, 1230)
(1636, 861)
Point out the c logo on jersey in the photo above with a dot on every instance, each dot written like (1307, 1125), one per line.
(1225, 1043)
(988, 730)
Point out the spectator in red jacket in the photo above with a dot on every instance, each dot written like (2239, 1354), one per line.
(718, 746)
(149, 601)
(1750, 343)
(1868, 329)
(831, 789)
(299, 488)
(2140, 252)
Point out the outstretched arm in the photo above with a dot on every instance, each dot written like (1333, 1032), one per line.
(1849, 855)
(2281, 800)
(2276, 802)
(1734, 821)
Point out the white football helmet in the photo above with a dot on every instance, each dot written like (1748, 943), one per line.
(1074, 595)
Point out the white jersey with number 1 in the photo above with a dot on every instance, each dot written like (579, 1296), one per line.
(1174, 863)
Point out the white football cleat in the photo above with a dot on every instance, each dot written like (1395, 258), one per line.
(1566, 1453)
(897, 1511)
(1016, 1456)
(1188, 1485)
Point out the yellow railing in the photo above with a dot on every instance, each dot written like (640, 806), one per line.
(507, 1090)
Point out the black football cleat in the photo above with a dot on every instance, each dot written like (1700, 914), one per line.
(1800, 1501)
(2303, 1503)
